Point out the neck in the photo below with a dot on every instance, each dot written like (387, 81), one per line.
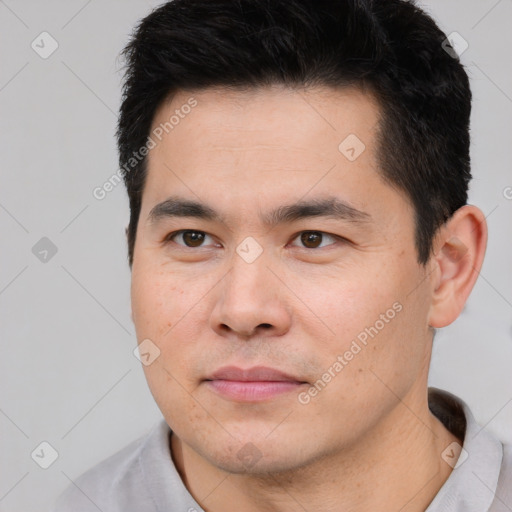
(396, 466)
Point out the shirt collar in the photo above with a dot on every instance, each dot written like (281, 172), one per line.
(473, 481)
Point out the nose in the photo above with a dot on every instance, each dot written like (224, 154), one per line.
(252, 301)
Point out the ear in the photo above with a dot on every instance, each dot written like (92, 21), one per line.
(459, 250)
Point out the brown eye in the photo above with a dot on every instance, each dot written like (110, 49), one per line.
(193, 238)
(313, 239)
(190, 237)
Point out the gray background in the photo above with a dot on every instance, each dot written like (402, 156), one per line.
(68, 373)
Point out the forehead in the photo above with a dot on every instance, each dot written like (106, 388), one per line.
(270, 112)
(265, 132)
(265, 146)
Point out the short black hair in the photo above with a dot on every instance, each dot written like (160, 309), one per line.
(390, 47)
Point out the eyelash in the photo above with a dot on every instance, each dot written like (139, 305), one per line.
(167, 240)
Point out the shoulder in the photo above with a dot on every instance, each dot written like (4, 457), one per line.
(503, 495)
(117, 483)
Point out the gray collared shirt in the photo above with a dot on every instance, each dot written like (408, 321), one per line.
(143, 478)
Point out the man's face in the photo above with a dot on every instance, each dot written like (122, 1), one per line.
(207, 298)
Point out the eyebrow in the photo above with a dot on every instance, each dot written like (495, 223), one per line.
(331, 207)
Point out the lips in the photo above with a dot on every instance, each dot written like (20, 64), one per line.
(254, 374)
(254, 384)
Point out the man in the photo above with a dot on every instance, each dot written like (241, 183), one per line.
(297, 173)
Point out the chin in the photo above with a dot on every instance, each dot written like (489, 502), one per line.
(257, 457)
(259, 466)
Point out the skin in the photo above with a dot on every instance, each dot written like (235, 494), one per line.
(367, 441)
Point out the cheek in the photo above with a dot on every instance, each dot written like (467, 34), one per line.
(156, 302)
(349, 301)
(160, 306)
(372, 315)
(167, 310)
(372, 359)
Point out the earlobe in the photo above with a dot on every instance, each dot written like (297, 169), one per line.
(459, 253)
